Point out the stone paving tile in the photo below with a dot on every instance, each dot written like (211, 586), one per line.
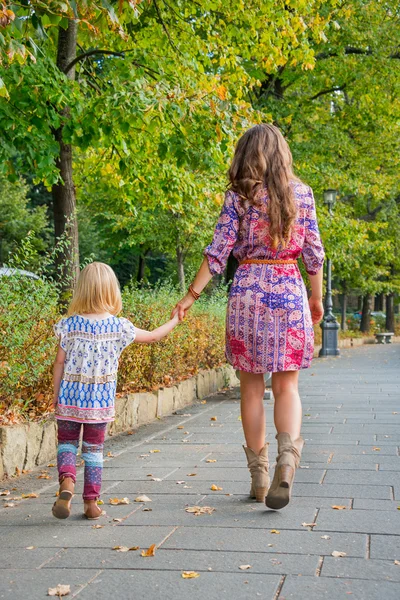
(356, 477)
(187, 560)
(170, 585)
(358, 521)
(368, 504)
(22, 558)
(385, 547)
(287, 541)
(349, 491)
(358, 568)
(318, 588)
(17, 584)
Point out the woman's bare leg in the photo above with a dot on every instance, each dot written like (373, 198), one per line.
(252, 389)
(287, 408)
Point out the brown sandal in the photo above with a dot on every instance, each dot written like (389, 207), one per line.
(62, 506)
(92, 511)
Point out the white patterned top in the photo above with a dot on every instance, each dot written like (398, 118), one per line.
(93, 347)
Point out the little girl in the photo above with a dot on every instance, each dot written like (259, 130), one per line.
(91, 340)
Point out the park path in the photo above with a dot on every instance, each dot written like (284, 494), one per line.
(351, 459)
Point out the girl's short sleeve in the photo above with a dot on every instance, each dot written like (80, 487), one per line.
(128, 333)
(60, 331)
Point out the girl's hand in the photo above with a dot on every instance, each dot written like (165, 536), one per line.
(182, 307)
(317, 309)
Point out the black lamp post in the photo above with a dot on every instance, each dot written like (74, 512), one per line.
(329, 325)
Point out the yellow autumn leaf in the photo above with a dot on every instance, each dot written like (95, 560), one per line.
(274, 531)
(31, 495)
(190, 575)
(211, 460)
(143, 498)
(150, 551)
(60, 590)
(154, 451)
(215, 488)
(339, 506)
(213, 419)
(117, 501)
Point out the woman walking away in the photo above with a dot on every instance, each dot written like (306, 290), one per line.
(268, 219)
(91, 340)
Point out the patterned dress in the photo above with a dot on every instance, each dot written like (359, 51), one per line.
(93, 348)
(268, 325)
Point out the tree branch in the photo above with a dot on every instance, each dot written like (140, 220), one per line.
(90, 53)
(335, 88)
(352, 50)
(165, 28)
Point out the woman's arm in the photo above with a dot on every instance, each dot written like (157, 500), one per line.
(315, 301)
(58, 371)
(203, 277)
(149, 337)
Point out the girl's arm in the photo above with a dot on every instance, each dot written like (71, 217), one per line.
(58, 371)
(149, 337)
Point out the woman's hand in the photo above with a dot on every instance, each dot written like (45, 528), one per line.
(183, 306)
(317, 309)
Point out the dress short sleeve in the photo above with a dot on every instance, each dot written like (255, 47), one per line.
(128, 332)
(61, 330)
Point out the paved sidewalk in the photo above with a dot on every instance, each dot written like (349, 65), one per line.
(351, 459)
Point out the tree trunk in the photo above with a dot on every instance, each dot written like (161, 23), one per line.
(389, 325)
(359, 302)
(378, 303)
(181, 269)
(343, 323)
(64, 199)
(365, 324)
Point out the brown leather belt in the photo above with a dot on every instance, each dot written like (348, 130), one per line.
(257, 261)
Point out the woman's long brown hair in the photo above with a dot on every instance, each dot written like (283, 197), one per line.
(263, 160)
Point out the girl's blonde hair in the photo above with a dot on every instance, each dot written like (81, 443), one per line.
(97, 291)
(262, 161)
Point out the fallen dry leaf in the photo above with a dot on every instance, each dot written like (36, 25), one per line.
(397, 562)
(191, 474)
(274, 531)
(213, 419)
(339, 506)
(125, 548)
(143, 499)
(99, 502)
(51, 465)
(60, 590)
(376, 448)
(31, 495)
(200, 510)
(97, 526)
(203, 402)
(190, 575)
(5, 493)
(239, 418)
(110, 455)
(180, 427)
(337, 554)
(116, 501)
(118, 520)
(180, 482)
(17, 471)
(309, 525)
(156, 479)
(146, 509)
(30, 548)
(245, 567)
(44, 476)
(25, 471)
(150, 551)
(9, 505)
(211, 460)
(129, 433)
(325, 537)
(215, 488)
(154, 451)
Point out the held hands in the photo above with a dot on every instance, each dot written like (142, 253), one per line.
(317, 309)
(182, 307)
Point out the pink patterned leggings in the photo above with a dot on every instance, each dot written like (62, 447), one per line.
(92, 454)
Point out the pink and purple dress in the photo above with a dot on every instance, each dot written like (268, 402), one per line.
(268, 324)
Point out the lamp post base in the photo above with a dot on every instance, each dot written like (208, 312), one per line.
(330, 338)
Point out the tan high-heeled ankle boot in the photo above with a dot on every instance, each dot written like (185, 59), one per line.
(258, 466)
(287, 461)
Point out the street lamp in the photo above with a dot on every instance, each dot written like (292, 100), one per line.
(329, 325)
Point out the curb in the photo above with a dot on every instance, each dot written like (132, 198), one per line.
(29, 445)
